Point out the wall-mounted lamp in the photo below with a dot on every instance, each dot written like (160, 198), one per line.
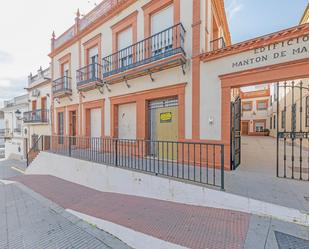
(18, 115)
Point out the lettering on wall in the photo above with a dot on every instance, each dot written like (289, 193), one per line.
(289, 48)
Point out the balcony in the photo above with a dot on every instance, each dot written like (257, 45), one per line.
(89, 77)
(17, 131)
(62, 87)
(6, 133)
(36, 117)
(156, 53)
(217, 44)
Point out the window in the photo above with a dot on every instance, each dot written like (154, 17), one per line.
(307, 111)
(124, 42)
(161, 22)
(259, 126)
(65, 74)
(261, 105)
(60, 127)
(93, 58)
(283, 119)
(247, 106)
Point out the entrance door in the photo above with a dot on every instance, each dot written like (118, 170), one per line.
(93, 61)
(244, 127)
(163, 126)
(43, 109)
(95, 128)
(73, 130)
(235, 133)
(60, 127)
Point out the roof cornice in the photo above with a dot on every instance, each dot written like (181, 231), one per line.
(278, 36)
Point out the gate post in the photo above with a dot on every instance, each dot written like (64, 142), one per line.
(277, 127)
(222, 167)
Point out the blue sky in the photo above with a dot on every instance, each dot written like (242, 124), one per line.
(251, 18)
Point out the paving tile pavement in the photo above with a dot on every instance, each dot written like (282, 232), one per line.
(186, 225)
(26, 223)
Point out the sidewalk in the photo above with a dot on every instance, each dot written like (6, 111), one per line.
(185, 225)
(28, 221)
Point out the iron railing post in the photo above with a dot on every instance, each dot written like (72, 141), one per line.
(42, 143)
(27, 154)
(116, 152)
(222, 167)
(70, 149)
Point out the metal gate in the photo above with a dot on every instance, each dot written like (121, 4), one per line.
(160, 117)
(292, 125)
(235, 133)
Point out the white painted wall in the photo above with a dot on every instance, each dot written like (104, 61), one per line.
(14, 147)
(211, 86)
(127, 121)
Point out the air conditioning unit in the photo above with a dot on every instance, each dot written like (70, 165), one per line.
(35, 93)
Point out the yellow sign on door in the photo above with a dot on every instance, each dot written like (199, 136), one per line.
(166, 117)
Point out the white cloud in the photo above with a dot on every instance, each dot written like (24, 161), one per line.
(5, 57)
(25, 39)
(233, 8)
(12, 87)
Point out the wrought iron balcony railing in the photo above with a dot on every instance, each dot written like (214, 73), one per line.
(89, 74)
(37, 116)
(156, 47)
(62, 85)
(17, 130)
(6, 133)
(216, 44)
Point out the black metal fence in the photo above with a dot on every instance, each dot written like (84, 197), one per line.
(158, 46)
(89, 73)
(62, 84)
(216, 44)
(196, 162)
(292, 122)
(37, 116)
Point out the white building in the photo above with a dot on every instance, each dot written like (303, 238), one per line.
(15, 131)
(37, 119)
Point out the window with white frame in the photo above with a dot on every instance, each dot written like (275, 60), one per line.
(162, 35)
(124, 42)
(261, 105)
(259, 126)
(247, 106)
